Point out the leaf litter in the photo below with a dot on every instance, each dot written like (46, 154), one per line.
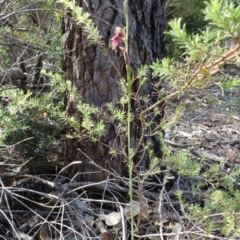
(55, 207)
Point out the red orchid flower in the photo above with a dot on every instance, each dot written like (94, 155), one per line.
(116, 40)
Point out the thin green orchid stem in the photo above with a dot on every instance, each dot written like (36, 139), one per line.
(125, 9)
(129, 116)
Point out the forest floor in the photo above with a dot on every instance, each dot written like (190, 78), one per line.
(57, 207)
(209, 126)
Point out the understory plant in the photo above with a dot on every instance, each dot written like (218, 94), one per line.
(29, 124)
(30, 116)
(204, 54)
(26, 117)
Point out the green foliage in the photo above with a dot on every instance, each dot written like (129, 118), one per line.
(230, 83)
(31, 123)
(204, 53)
(191, 12)
(83, 19)
(33, 119)
(33, 32)
(94, 128)
(224, 16)
(182, 164)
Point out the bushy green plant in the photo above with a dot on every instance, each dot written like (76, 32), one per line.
(32, 119)
(28, 123)
(204, 53)
(191, 13)
(40, 118)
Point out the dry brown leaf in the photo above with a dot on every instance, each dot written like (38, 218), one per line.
(112, 218)
(21, 235)
(43, 234)
(100, 226)
(144, 211)
(184, 134)
(161, 216)
(136, 209)
(107, 236)
(235, 117)
(177, 230)
(232, 154)
(212, 156)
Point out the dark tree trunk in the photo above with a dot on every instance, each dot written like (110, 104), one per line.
(96, 75)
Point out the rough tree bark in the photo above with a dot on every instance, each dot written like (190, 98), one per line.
(96, 75)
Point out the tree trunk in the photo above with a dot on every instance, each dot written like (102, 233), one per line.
(96, 74)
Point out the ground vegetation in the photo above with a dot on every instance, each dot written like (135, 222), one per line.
(103, 136)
